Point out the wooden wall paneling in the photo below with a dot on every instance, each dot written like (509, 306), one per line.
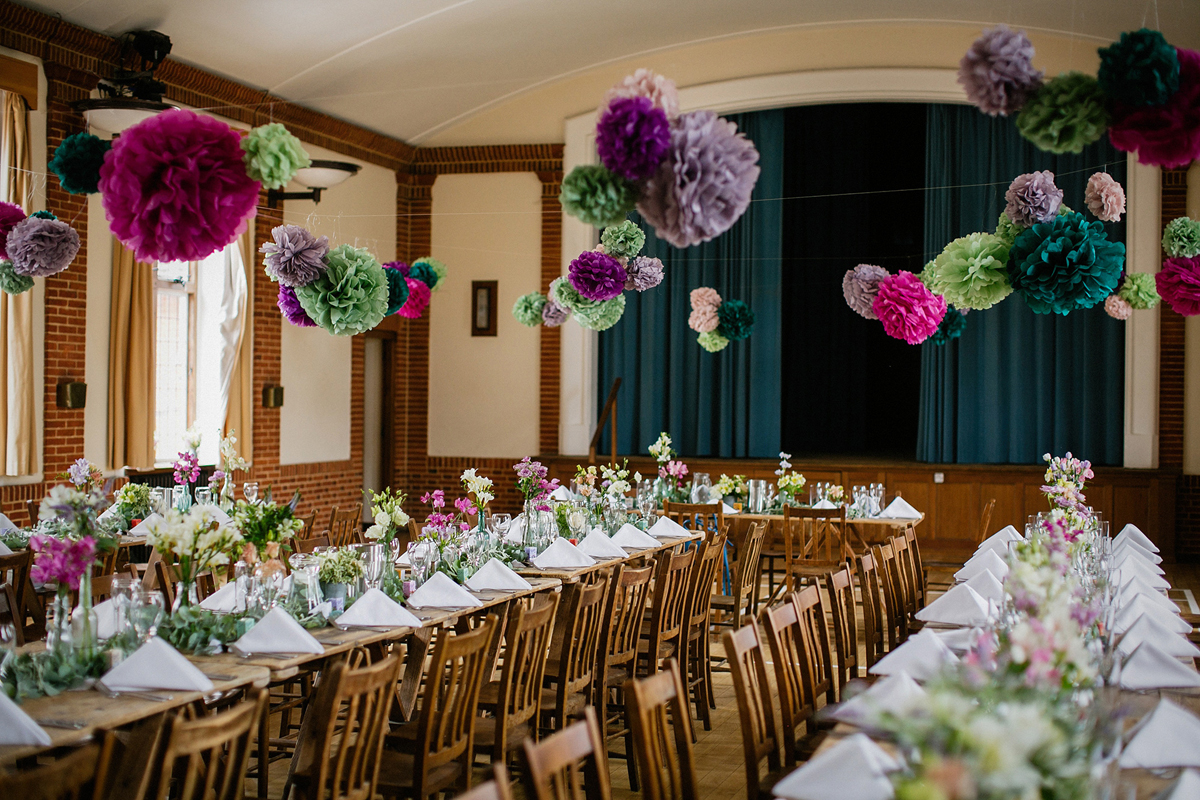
(1010, 505)
(958, 510)
(1129, 504)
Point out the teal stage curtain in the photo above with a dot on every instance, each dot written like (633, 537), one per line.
(724, 404)
(1017, 384)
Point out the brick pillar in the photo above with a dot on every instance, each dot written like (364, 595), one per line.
(1171, 341)
(267, 323)
(551, 338)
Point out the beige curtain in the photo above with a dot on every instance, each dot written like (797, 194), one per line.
(131, 363)
(239, 411)
(19, 444)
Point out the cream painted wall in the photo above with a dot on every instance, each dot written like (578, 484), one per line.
(483, 391)
(99, 304)
(1191, 364)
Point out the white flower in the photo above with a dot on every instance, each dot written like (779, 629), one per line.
(576, 519)
(375, 532)
(191, 438)
(382, 519)
(400, 518)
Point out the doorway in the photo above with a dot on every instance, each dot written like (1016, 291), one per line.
(378, 410)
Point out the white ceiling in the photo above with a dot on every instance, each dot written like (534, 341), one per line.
(412, 68)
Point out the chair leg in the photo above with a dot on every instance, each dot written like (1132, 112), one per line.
(707, 666)
(630, 751)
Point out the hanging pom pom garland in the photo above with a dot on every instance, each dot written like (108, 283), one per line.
(951, 327)
(10, 215)
(296, 257)
(704, 319)
(907, 309)
(1065, 264)
(437, 267)
(397, 286)
(40, 246)
(1139, 291)
(596, 196)
(632, 137)
(1178, 283)
(1166, 135)
(77, 162)
(1117, 307)
(423, 271)
(1140, 69)
(597, 276)
(1065, 115)
(528, 309)
(624, 240)
(859, 287)
(643, 273)
(602, 315)
(718, 321)
(350, 296)
(659, 90)
(712, 341)
(418, 299)
(273, 155)
(11, 281)
(1104, 197)
(1007, 230)
(291, 309)
(1181, 237)
(737, 320)
(997, 71)
(1031, 198)
(971, 272)
(554, 315)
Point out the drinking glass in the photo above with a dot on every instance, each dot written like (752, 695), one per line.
(701, 487)
(373, 558)
(647, 502)
(123, 588)
(500, 523)
(147, 612)
(250, 491)
(203, 495)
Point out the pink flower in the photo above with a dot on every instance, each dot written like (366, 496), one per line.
(464, 506)
(187, 468)
(61, 561)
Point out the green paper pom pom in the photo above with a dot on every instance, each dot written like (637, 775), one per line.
(11, 282)
(736, 320)
(351, 296)
(1140, 290)
(563, 293)
(596, 196)
(1065, 264)
(273, 155)
(397, 290)
(528, 309)
(1065, 115)
(77, 162)
(971, 272)
(926, 275)
(712, 341)
(439, 269)
(624, 240)
(951, 327)
(1007, 230)
(423, 272)
(603, 315)
(43, 215)
(1181, 238)
(1140, 69)
(1063, 208)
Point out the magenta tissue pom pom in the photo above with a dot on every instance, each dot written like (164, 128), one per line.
(418, 299)
(10, 215)
(1104, 197)
(907, 309)
(1033, 198)
(1178, 283)
(859, 287)
(997, 72)
(293, 312)
(632, 137)
(597, 276)
(175, 187)
(40, 247)
(1166, 135)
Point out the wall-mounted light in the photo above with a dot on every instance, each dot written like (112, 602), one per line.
(71, 394)
(116, 114)
(132, 94)
(272, 396)
(318, 177)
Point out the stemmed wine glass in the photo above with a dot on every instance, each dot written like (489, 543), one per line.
(146, 613)
(250, 491)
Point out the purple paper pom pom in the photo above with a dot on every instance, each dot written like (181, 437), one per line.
(705, 182)
(907, 309)
(597, 276)
(10, 215)
(1033, 198)
(859, 287)
(632, 137)
(175, 187)
(291, 308)
(998, 72)
(554, 315)
(296, 258)
(400, 265)
(1166, 135)
(40, 247)
(643, 273)
(1178, 283)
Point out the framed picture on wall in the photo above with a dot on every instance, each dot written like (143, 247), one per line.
(483, 308)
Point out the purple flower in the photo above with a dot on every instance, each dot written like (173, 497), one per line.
(597, 276)
(41, 247)
(187, 468)
(553, 314)
(80, 473)
(997, 72)
(859, 287)
(296, 257)
(289, 304)
(632, 137)
(1033, 198)
(643, 273)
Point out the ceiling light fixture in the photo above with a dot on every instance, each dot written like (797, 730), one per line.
(132, 94)
(318, 177)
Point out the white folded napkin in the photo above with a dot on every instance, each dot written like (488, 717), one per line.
(223, 600)
(495, 576)
(961, 606)
(987, 560)
(960, 640)
(562, 494)
(1166, 738)
(561, 554)
(825, 504)
(17, 727)
(516, 530)
(1143, 605)
(1007, 534)
(1138, 588)
(1185, 787)
(277, 632)
(922, 657)
(1132, 567)
(900, 509)
(376, 610)
(854, 769)
(143, 527)
(629, 536)
(597, 545)
(5, 550)
(1143, 564)
(156, 665)
(218, 513)
(897, 694)
(6, 524)
(1132, 533)
(442, 592)
(998, 546)
(988, 586)
(1121, 550)
(106, 618)
(1148, 667)
(667, 528)
(1149, 629)
(108, 513)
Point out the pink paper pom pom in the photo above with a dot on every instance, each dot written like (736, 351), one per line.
(704, 297)
(1179, 285)
(907, 309)
(1166, 135)
(1117, 308)
(175, 187)
(646, 83)
(704, 319)
(1104, 197)
(418, 299)
(10, 215)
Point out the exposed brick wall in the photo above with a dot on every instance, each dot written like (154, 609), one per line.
(550, 368)
(1171, 340)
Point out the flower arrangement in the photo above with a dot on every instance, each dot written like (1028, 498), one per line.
(263, 527)
(83, 475)
(132, 501)
(196, 539)
(228, 462)
(532, 483)
(61, 561)
(443, 526)
(672, 474)
(339, 565)
(187, 468)
(72, 511)
(389, 517)
(733, 489)
(789, 482)
(480, 487)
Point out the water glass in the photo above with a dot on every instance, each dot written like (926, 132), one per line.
(373, 558)
(499, 524)
(250, 491)
(701, 487)
(123, 589)
(147, 612)
(203, 495)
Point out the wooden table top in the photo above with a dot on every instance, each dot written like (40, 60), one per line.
(885, 521)
(573, 574)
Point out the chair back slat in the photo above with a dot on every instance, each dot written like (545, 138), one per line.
(71, 777)
(813, 539)
(626, 607)
(208, 755)
(707, 517)
(446, 725)
(344, 526)
(840, 587)
(918, 566)
(791, 654)
(570, 764)
(700, 584)
(985, 521)
(897, 620)
(669, 611)
(311, 543)
(747, 667)
(906, 574)
(664, 750)
(872, 605)
(527, 640)
(810, 610)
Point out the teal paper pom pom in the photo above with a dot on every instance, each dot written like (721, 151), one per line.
(77, 162)
(951, 327)
(43, 215)
(624, 240)
(736, 320)
(970, 272)
(528, 309)
(1065, 115)
(439, 270)
(1139, 70)
(1007, 230)
(397, 290)
(712, 341)
(596, 196)
(603, 315)
(12, 282)
(1140, 290)
(273, 155)
(423, 272)
(1181, 238)
(350, 296)
(1065, 264)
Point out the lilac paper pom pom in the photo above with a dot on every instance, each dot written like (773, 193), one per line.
(632, 137)
(40, 247)
(859, 287)
(1179, 285)
(643, 273)
(418, 299)
(554, 315)
(1104, 197)
(175, 188)
(907, 309)
(296, 258)
(705, 182)
(998, 72)
(1033, 198)
(293, 312)
(1117, 307)
(10, 215)
(660, 90)
(597, 276)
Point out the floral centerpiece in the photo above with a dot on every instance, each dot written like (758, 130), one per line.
(70, 534)
(390, 519)
(790, 482)
(532, 483)
(132, 503)
(1066, 477)
(339, 570)
(197, 540)
(444, 533)
(83, 475)
(482, 488)
(228, 462)
(672, 474)
(264, 527)
(731, 489)
(64, 562)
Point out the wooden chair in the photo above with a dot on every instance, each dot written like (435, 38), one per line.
(746, 571)
(14, 570)
(662, 734)
(168, 578)
(434, 753)
(918, 565)
(10, 613)
(309, 520)
(339, 759)
(570, 680)
(72, 777)
(311, 543)
(661, 638)
(759, 739)
(31, 508)
(897, 620)
(872, 604)
(498, 788)
(985, 522)
(791, 655)
(840, 587)
(205, 758)
(344, 526)
(516, 698)
(814, 542)
(907, 583)
(945, 562)
(810, 611)
(558, 764)
(705, 565)
(708, 517)
(102, 585)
